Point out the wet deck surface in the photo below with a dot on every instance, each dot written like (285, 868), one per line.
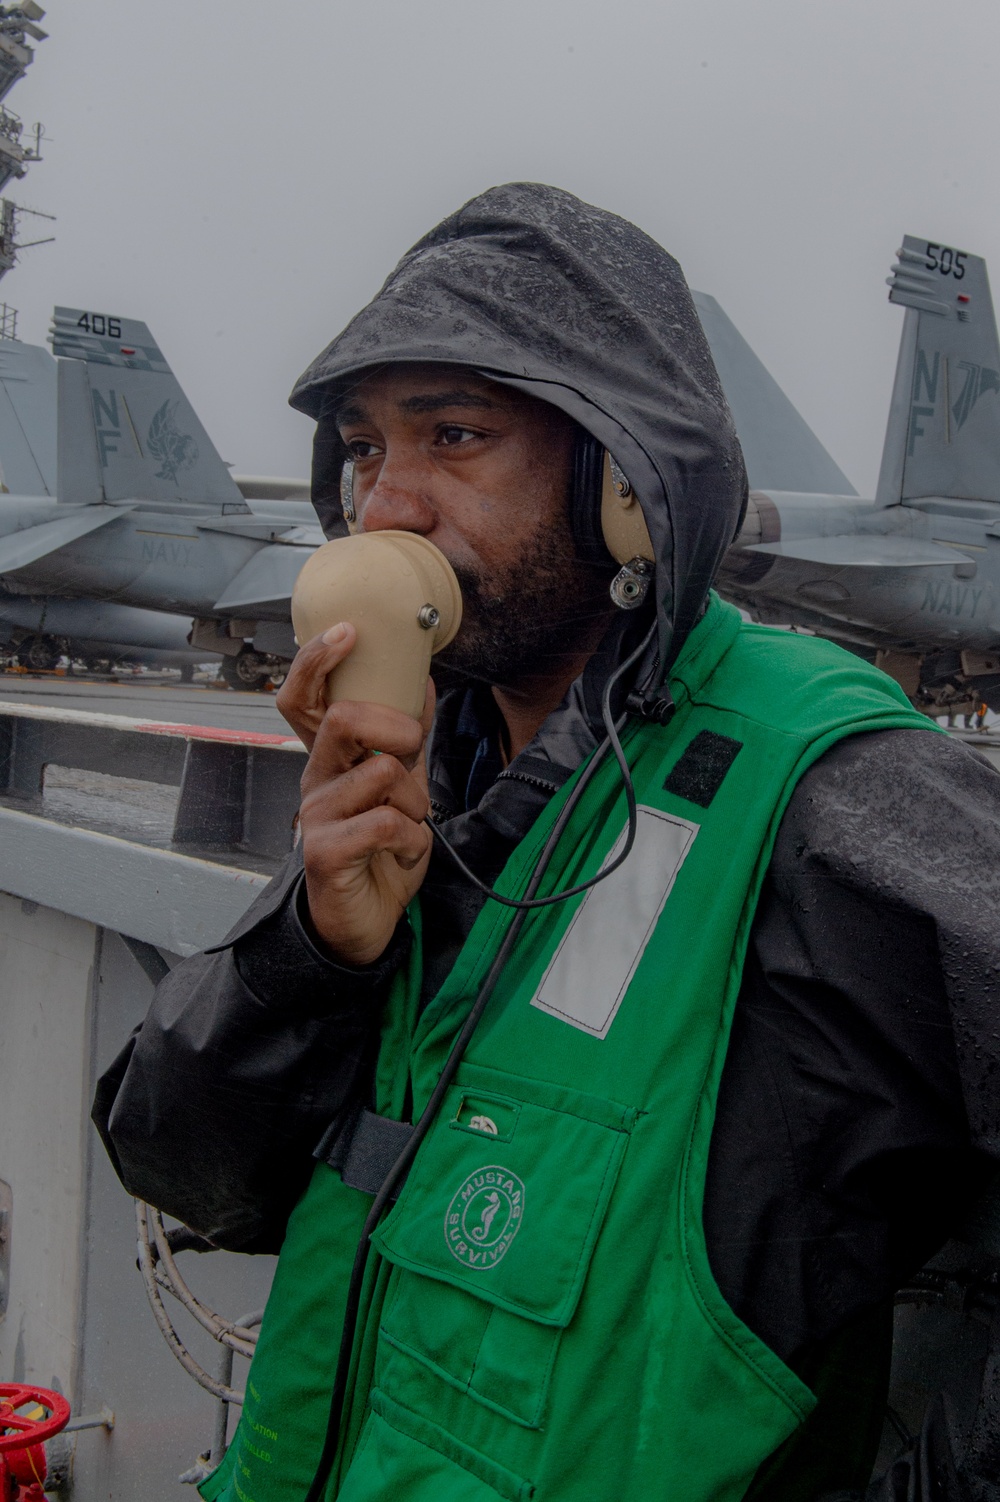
(150, 696)
(127, 807)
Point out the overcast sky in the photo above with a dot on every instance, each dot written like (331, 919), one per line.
(242, 175)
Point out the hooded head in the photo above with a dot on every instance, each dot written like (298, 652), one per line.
(533, 288)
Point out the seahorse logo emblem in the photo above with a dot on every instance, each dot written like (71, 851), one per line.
(490, 1209)
(484, 1216)
(167, 445)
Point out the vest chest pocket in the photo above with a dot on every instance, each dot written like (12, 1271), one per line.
(493, 1233)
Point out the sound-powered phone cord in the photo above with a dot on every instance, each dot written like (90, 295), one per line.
(523, 907)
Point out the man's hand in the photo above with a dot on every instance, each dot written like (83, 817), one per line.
(366, 849)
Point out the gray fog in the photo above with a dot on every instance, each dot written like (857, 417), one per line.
(242, 175)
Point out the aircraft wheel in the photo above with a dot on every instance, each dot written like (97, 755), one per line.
(39, 653)
(248, 671)
(187, 672)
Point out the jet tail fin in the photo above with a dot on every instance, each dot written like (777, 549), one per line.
(27, 418)
(943, 434)
(141, 428)
(781, 451)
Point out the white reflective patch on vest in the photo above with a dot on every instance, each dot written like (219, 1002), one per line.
(600, 951)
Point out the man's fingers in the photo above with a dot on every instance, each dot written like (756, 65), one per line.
(379, 780)
(430, 703)
(364, 843)
(333, 852)
(301, 697)
(350, 731)
(418, 764)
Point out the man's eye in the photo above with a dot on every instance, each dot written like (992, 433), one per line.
(360, 448)
(452, 434)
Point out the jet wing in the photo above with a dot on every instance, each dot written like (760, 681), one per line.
(265, 531)
(264, 585)
(18, 549)
(863, 551)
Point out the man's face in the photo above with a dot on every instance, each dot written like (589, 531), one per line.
(483, 472)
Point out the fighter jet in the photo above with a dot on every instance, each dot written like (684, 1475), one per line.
(911, 578)
(36, 630)
(134, 507)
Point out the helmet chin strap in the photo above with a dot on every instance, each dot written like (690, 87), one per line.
(347, 496)
(585, 508)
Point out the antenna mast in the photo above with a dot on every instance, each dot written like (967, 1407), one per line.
(18, 149)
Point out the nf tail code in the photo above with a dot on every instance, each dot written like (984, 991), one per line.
(122, 406)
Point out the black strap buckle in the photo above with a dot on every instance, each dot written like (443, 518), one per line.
(656, 706)
(363, 1149)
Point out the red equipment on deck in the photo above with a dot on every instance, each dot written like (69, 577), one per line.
(22, 1439)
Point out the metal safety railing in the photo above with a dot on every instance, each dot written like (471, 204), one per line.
(238, 790)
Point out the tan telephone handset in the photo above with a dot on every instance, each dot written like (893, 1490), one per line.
(400, 594)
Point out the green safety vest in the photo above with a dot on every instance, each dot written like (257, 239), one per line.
(541, 1318)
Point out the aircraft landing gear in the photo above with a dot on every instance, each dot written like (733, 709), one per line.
(187, 672)
(249, 671)
(39, 654)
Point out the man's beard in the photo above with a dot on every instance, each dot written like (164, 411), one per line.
(531, 619)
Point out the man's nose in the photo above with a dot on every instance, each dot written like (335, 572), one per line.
(399, 499)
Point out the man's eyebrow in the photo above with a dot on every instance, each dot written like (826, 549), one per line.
(351, 412)
(434, 401)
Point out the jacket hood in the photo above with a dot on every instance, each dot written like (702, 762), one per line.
(530, 286)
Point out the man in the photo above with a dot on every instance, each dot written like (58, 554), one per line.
(715, 1111)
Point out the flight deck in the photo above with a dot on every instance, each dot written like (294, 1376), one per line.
(155, 695)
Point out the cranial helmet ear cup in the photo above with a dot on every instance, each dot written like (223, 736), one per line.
(623, 526)
(606, 516)
(626, 537)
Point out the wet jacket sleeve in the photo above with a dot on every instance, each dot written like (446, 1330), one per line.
(864, 1059)
(860, 1110)
(212, 1109)
(955, 1457)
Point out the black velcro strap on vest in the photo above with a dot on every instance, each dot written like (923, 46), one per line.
(364, 1153)
(701, 770)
